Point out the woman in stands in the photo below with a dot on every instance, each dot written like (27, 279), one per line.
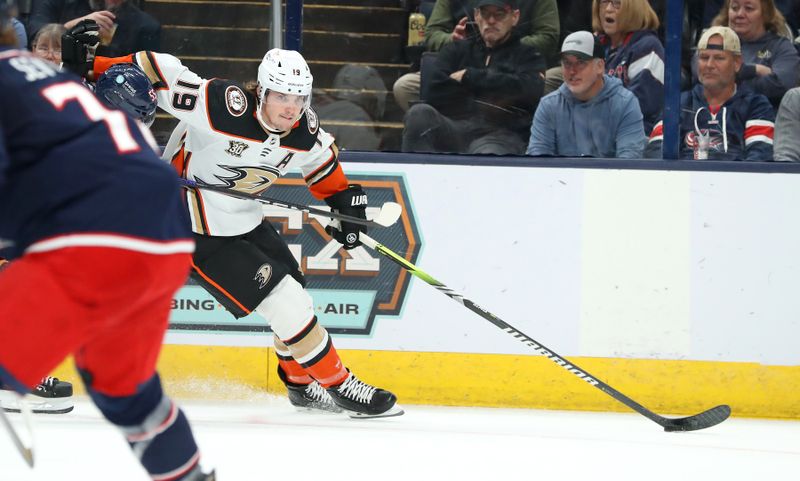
(47, 43)
(633, 52)
(771, 62)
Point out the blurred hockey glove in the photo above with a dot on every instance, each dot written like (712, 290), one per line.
(78, 46)
(353, 202)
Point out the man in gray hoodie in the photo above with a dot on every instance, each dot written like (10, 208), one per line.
(591, 114)
(787, 126)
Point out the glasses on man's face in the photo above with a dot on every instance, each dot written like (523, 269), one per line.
(579, 64)
(615, 3)
(497, 14)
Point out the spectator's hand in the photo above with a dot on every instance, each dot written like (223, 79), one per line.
(78, 45)
(763, 70)
(460, 31)
(458, 75)
(103, 18)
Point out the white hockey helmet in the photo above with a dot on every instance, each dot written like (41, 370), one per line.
(287, 72)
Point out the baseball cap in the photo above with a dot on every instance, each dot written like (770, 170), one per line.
(512, 4)
(730, 40)
(583, 45)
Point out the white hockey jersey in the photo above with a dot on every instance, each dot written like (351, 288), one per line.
(219, 142)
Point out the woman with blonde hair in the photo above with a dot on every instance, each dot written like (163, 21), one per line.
(47, 42)
(633, 52)
(771, 62)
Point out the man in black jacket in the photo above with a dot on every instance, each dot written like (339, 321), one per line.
(483, 91)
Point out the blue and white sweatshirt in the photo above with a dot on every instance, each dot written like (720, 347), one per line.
(639, 63)
(740, 129)
(608, 125)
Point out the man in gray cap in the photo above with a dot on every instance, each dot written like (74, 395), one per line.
(483, 91)
(591, 114)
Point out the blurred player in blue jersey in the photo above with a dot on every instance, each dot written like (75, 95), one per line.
(99, 240)
(126, 88)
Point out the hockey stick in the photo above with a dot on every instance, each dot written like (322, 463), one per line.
(706, 419)
(25, 451)
(388, 215)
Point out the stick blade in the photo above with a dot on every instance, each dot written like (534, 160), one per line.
(390, 212)
(704, 420)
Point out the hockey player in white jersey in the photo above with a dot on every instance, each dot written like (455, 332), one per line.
(244, 137)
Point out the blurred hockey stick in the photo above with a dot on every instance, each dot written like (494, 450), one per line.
(25, 451)
(703, 420)
(387, 216)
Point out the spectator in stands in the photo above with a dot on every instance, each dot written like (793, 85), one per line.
(789, 8)
(787, 127)
(633, 52)
(483, 91)
(453, 20)
(124, 28)
(591, 114)
(718, 120)
(47, 43)
(771, 63)
(359, 98)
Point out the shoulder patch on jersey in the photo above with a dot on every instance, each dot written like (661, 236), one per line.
(313, 121)
(304, 135)
(235, 100)
(231, 110)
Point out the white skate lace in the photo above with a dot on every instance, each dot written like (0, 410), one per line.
(356, 389)
(47, 382)
(317, 392)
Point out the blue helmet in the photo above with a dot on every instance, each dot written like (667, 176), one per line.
(126, 87)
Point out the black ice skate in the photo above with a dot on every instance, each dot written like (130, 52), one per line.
(360, 400)
(51, 396)
(309, 397)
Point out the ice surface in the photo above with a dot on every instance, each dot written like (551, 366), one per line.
(268, 440)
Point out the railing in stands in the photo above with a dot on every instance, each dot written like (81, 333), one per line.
(569, 162)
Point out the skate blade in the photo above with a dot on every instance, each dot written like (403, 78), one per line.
(40, 405)
(313, 410)
(394, 411)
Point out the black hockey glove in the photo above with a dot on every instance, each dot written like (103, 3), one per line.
(78, 45)
(351, 201)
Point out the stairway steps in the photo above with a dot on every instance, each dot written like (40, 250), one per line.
(227, 39)
(360, 47)
(390, 132)
(205, 13)
(365, 3)
(245, 69)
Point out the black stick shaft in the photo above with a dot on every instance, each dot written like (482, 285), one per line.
(699, 421)
(279, 203)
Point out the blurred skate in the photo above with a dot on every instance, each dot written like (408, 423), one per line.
(51, 396)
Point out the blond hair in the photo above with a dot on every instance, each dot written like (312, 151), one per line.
(772, 17)
(633, 15)
(50, 33)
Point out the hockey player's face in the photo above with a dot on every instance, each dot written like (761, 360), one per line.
(281, 111)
